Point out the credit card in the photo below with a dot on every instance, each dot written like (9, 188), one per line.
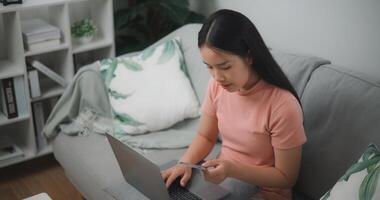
(200, 167)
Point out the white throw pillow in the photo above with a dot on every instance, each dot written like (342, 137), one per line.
(361, 180)
(150, 91)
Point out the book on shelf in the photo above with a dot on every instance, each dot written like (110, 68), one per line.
(38, 30)
(9, 150)
(3, 103)
(39, 123)
(8, 98)
(34, 83)
(39, 34)
(41, 112)
(42, 45)
(48, 72)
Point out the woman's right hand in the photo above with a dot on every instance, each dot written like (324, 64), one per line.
(175, 172)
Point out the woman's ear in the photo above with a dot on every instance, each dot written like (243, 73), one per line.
(250, 60)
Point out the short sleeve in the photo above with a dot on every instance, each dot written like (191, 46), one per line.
(286, 125)
(209, 105)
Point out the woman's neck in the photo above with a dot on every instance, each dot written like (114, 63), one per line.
(252, 81)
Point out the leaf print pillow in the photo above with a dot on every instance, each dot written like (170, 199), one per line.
(361, 180)
(150, 91)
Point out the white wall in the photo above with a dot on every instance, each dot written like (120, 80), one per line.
(347, 32)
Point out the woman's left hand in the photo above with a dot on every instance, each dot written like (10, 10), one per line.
(217, 170)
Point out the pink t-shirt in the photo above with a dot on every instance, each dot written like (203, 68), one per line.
(254, 122)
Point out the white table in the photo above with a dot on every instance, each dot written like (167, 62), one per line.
(41, 196)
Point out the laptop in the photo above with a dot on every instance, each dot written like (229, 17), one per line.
(145, 176)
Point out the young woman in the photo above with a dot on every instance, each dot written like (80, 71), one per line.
(253, 106)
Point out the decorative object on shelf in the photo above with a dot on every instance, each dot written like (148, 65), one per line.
(7, 2)
(83, 31)
(141, 23)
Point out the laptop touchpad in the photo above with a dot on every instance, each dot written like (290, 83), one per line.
(207, 190)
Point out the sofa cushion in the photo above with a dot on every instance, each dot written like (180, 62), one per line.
(341, 117)
(150, 91)
(361, 180)
(196, 68)
(298, 68)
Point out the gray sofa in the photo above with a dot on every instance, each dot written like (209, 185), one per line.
(341, 111)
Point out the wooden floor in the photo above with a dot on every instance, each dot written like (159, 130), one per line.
(36, 176)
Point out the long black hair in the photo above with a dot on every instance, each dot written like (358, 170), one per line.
(233, 32)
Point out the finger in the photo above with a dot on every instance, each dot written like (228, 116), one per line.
(207, 175)
(170, 180)
(209, 178)
(185, 178)
(165, 174)
(210, 163)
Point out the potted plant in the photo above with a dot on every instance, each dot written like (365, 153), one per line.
(140, 23)
(83, 31)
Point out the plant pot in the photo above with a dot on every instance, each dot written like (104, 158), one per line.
(84, 39)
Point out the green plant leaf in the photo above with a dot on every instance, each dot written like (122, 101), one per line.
(175, 13)
(149, 20)
(126, 119)
(125, 16)
(369, 184)
(177, 3)
(371, 149)
(194, 17)
(167, 52)
(326, 196)
(131, 65)
(81, 28)
(118, 95)
(359, 166)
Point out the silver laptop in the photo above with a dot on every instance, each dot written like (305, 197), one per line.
(145, 176)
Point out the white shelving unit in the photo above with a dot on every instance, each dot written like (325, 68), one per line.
(64, 59)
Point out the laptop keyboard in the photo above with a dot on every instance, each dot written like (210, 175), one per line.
(176, 191)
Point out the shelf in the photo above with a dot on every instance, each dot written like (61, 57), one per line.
(88, 57)
(4, 120)
(47, 50)
(28, 4)
(100, 12)
(27, 156)
(9, 69)
(48, 149)
(94, 44)
(14, 59)
(15, 160)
